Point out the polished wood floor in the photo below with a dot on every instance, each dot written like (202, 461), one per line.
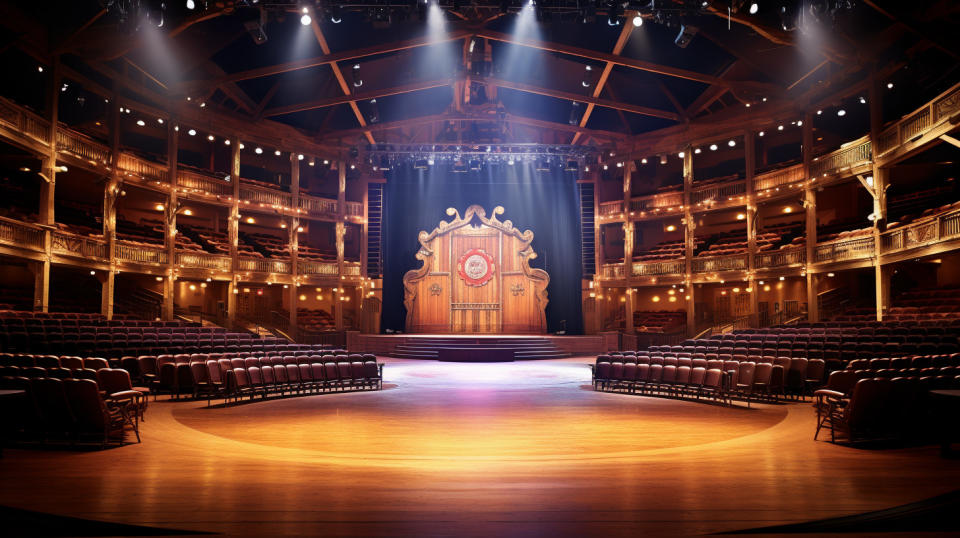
(473, 450)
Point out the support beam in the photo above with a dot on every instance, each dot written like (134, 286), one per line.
(353, 98)
(689, 229)
(750, 155)
(41, 286)
(810, 217)
(950, 140)
(340, 233)
(233, 231)
(107, 286)
(293, 239)
(882, 274)
(170, 223)
(607, 69)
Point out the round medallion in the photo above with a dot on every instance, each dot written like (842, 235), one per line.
(476, 267)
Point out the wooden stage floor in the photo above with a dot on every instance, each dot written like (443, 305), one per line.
(507, 449)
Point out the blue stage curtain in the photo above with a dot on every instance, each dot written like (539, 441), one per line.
(544, 202)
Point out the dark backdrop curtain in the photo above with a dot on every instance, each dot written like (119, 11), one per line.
(545, 202)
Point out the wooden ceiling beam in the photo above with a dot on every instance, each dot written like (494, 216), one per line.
(607, 68)
(348, 98)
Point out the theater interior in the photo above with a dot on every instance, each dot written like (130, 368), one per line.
(485, 268)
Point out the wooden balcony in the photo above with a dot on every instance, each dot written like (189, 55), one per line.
(612, 270)
(610, 209)
(134, 253)
(83, 147)
(190, 182)
(264, 265)
(79, 246)
(781, 258)
(265, 197)
(671, 267)
(191, 259)
(351, 268)
(844, 160)
(710, 264)
(656, 205)
(354, 209)
(785, 179)
(21, 235)
(719, 195)
(133, 166)
(23, 125)
(310, 267)
(841, 250)
(319, 206)
(914, 126)
(921, 234)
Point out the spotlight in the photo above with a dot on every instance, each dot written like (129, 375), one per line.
(210, 138)
(335, 15)
(681, 154)
(587, 77)
(305, 18)
(732, 143)
(779, 127)
(863, 100)
(637, 21)
(685, 36)
(258, 151)
(300, 157)
(713, 147)
(192, 132)
(141, 123)
(841, 112)
(761, 133)
(277, 153)
(575, 113)
(374, 111)
(754, 8)
(191, 4)
(663, 159)
(357, 81)
(889, 85)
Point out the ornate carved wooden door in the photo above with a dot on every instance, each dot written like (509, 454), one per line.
(475, 300)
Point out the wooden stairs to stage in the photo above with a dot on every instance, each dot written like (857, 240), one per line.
(524, 348)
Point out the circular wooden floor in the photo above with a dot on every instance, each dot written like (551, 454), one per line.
(473, 450)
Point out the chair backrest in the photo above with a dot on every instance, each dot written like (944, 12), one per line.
(113, 380)
(95, 363)
(86, 405)
(53, 404)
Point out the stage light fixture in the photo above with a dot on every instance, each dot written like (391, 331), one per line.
(357, 81)
(761, 133)
(305, 19)
(192, 132)
(889, 85)
(697, 151)
(277, 153)
(681, 154)
(799, 123)
(300, 157)
(841, 113)
(663, 159)
(226, 142)
(191, 4)
(685, 36)
(374, 111)
(575, 114)
(141, 123)
(258, 151)
(336, 17)
(732, 143)
(863, 100)
(643, 160)
(430, 161)
(637, 21)
(210, 138)
(754, 8)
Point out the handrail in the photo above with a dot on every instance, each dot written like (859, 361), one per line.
(606, 209)
(729, 262)
(351, 268)
(189, 181)
(641, 268)
(78, 245)
(917, 234)
(202, 260)
(920, 121)
(316, 204)
(718, 193)
(353, 209)
(134, 165)
(24, 121)
(20, 234)
(844, 249)
(83, 147)
(130, 252)
(309, 267)
(264, 265)
(855, 153)
(612, 270)
(265, 196)
(778, 178)
(780, 258)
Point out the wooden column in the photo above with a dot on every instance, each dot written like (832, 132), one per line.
(294, 240)
(41, 285)
(233, 231)
(170, 223)
(750, 156)
(810, 217)
(107, 284)
(364, 229)
(627, 224)
(341, 231)
(878, 190)
(41, 289)
(689, 230)
(112, 192)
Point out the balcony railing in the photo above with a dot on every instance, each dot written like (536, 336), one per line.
(265, 196)
(354, 209)
(308, 267)
(781, 258)
(672, 267)
(718, 194)
(920, 121)
(921, 234)
(22, 121)
(612, 270)
(79, 246)
(83, 147)
(144, 169)
(314, 204)
(202, 260)
(607, 209)
(19, 234)
(845, 249)
(351, 269)
(263, 265)
(732, 262)
(778, 178)
(189, 181)
(140, 253)
(656, 203)
(854, 154)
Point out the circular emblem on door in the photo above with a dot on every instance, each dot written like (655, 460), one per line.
(476, 267)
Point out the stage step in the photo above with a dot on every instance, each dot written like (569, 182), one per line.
(524, 348)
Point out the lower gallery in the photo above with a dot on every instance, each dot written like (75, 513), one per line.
(498, 268)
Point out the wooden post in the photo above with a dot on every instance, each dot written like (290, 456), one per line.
(107, 285)
(689, 230)
(810, 217)
(341, 231)
(170, 223)
(41, 285)
(41, 288)
(750, 155)
(879, 194)
(294, 240)
(627, 227)
(233, 231)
